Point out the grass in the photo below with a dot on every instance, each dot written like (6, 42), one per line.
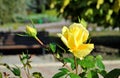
(46, 16)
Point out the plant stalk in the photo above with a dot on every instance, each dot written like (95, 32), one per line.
(40, 42)
(76, 65)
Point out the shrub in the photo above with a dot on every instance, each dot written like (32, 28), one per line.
(103, 12)
(10, 10)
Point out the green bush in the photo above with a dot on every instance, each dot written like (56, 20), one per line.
(11, 9)
(103, 12)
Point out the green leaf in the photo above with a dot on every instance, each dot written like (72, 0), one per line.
(59, 74)
(79, 19)
(103, 73)
(52, 47)
(99, 57)
(37, 75)
(16, 71)
(28, 64)
(1, 75)
(24, 57)
(87, 62)
(25, 35)
(73, 75)
(115, 73)
(82, 74)
(57, 55)
(92, 74)
(72, 66)
(89, 12)
(99, 63)
(89, 74)
(71, 61)
(65, 70)
(83, 22)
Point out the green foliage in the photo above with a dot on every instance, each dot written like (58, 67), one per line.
(64, 73)
(71, 61)
(25, 60)
(103, 12)
(83, 22)
(88, 62)
(37, 75)
(99, 63)
(11, 10)
(92, 74)
(73, 75)
(37, 6)
(64, 70)
(52, 47)
(89, 65)
(90, 68)
(1, 75)
(57, 51)
(59, 75)
(16, 71)
(115, 73)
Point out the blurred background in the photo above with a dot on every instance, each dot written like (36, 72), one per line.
(49, 16)
(102, 17)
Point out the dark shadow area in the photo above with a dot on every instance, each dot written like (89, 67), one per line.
(110, 41)
(27, 43)
(107, 46)
(14, 39)
(103, 44)
(20, 51)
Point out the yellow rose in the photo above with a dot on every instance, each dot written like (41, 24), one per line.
(74, 38)
(31, 31)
